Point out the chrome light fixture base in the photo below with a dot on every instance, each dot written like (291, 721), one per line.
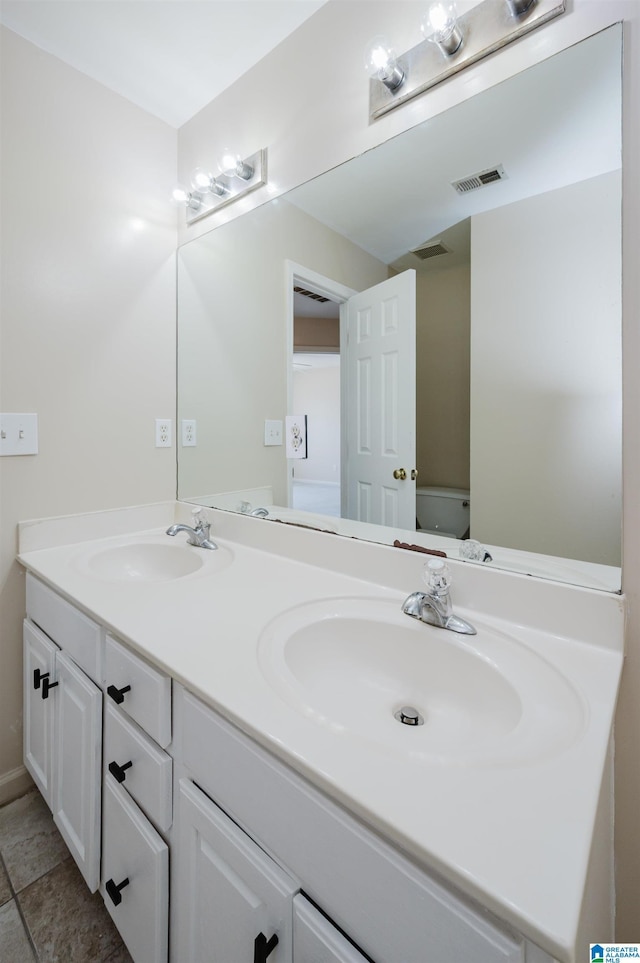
(235, 187)
(485, 28)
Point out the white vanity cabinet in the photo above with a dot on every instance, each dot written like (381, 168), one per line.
(392, 911)
(63, 719)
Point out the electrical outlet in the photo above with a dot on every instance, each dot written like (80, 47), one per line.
(163, 432)
(188, 432)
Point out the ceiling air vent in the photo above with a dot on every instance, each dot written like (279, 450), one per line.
(474, 181)
(430, 250)
(310, 294)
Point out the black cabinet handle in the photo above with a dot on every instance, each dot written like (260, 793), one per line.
(119, 772)
(46, 685)
(38, 676)
(263, 947)
(113, 889)
(118, 694)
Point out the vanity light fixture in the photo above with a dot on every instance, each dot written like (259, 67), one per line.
(232, 165)
(211, 192)
(380, 61)
(440, 26)
(202, 181)
(450, 44)
(190, 199)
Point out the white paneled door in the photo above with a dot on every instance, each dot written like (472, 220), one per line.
(380, 413)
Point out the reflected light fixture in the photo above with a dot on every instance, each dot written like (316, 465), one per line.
(210, 192)
(450, 44)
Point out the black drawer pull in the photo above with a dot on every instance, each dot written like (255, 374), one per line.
(38, 676)
(113, 889)
(118, 694)
(119, 772)
(46, 685)
(263, 947)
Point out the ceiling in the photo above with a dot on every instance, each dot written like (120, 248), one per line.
(170, 57)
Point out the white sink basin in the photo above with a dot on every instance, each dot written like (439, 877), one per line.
(146, 560)
(350, 664)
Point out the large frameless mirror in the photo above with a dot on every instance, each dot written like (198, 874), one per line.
(486, 244)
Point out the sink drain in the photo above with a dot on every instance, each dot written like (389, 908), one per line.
(409, 716)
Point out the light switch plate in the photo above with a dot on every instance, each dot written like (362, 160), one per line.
(18, 434)
(272, 432)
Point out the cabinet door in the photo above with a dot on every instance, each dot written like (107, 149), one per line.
(135, 872)
(39, 664)
(317, 940)
(234, 904)
(77, 766)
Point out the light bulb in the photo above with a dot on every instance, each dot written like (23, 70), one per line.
(202, 180)
(191, 199)
(440, 26)
(180, 194)
(232, 165)
(380, 61)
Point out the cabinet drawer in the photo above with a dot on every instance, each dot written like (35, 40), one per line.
(135, 876)
(140, 690)
(316, 940)
(139, 766)
(78, 635)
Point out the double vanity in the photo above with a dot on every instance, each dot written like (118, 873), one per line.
(255, 754)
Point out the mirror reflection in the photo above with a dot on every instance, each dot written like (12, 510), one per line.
(485, 243)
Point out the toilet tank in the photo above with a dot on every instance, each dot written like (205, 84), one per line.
(443, 511)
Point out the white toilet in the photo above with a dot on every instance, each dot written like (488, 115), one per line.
(443, 511)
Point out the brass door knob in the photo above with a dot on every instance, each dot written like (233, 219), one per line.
(414, 474)
(400, 474)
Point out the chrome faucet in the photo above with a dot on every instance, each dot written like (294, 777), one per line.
(198, 536)
(434, 607)
(259, 512)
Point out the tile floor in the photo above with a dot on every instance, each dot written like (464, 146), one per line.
(47, 914)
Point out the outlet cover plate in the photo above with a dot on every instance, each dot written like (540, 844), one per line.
(163, 432)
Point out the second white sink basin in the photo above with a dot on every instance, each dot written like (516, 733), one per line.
(152, 560)
(351, 664)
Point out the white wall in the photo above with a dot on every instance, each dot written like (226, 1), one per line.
(546, 467)
(316, 394)
(307, 102)
(87, 320)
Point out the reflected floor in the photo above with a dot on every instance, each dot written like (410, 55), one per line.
(323, 498)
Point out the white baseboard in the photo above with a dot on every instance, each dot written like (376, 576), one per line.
(14, 783)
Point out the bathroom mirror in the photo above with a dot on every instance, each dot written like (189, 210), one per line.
(518, 326)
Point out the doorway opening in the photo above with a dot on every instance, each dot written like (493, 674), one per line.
(314, 388)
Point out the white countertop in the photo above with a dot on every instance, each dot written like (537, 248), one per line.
(517, 838)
